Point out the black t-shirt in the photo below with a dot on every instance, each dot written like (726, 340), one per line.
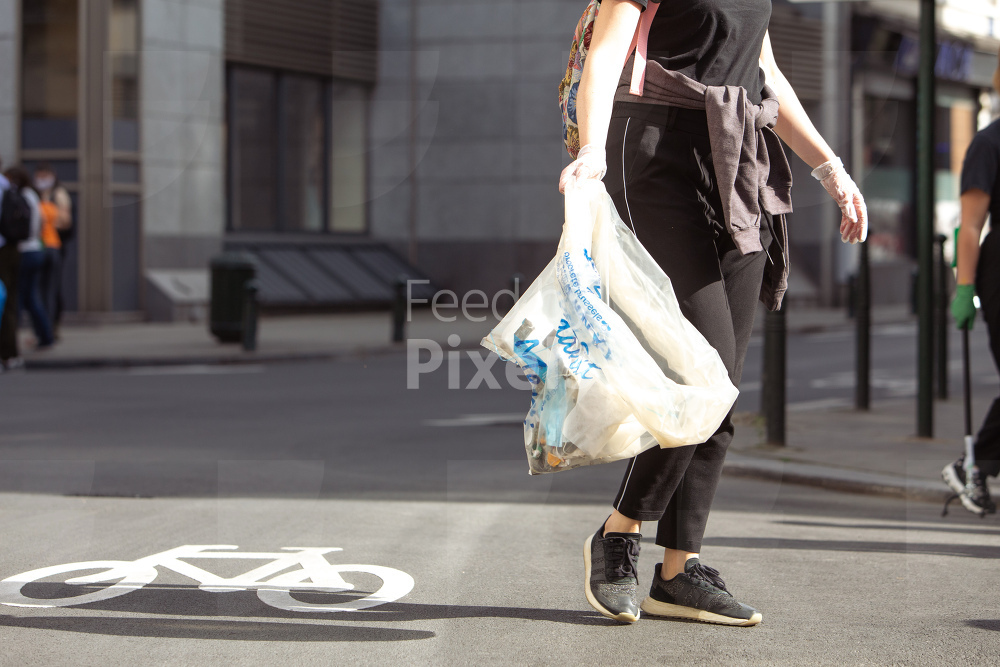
(980, 168)
(716, 42)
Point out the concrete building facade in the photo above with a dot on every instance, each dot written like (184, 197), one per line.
(9, 77)
(346, 144)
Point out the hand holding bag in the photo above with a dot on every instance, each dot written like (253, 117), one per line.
(615, 367)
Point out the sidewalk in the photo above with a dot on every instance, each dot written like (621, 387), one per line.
(279, 338)
(290, 338)
(875, 451)
(837, 448)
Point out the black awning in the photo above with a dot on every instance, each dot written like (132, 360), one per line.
(329, 274)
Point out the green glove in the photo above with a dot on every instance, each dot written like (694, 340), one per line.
(962, 308)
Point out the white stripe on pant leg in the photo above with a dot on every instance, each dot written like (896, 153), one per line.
(631, 464)
(624, 185)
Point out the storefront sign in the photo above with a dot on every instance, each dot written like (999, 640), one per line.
(954, 59)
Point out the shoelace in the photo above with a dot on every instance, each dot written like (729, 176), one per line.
(982, 492)
(623, 556)
(709, 575)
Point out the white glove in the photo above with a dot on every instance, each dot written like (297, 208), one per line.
(854, 213)
(589, 163)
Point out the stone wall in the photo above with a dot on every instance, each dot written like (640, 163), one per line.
(489, 135)
(10, 59)
(182, 124)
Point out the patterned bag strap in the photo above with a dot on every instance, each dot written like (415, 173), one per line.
(639, 45)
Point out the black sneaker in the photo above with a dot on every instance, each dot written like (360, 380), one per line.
(610, 583)
(698, 594)
(14, 364)
(975, 497)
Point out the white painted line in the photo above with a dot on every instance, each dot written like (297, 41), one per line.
(894, 330)
(828, 336)
(478, 420)
(821, 404)
(197, 369)
(314, 573)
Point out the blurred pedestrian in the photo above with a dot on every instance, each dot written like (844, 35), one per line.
(979, 272)
(57, 229)
(695, 170)
(10, 264)
(32, 258)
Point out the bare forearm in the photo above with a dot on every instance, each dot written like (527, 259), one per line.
(595, 100)
(968, 255)
(975, 206)
(795, 128)
(613, 30)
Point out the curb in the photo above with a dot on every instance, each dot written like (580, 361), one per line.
(836, 479)
(85, 363)
(249, 358)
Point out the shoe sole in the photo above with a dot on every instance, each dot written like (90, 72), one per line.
(666, 610)
(950, 478)
(623, 617)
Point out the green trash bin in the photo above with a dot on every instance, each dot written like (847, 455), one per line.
(231, 272)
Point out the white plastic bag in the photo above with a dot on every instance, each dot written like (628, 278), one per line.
(615, 368)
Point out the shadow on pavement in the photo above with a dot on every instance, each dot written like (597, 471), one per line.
(984, 623)
(243, 608)
(424, 612)
(966, 529)
(962, 550)
(240, 630)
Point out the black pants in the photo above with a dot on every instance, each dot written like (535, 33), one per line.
(987, 450)
(662, 180)
(10, 265)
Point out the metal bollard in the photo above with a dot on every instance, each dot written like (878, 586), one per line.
(773, 378)
(863, 333)
(399, 311)
(852, 296)
(249, 338)
(941, 319)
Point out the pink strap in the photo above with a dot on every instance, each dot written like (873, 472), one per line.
(639, 44)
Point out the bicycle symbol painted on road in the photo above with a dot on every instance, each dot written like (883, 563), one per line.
(274, 585)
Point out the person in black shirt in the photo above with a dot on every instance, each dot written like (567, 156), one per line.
(663, 174)
(979, 272)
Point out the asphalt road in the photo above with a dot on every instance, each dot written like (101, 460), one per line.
(840, 579)
(431, 482)
(349, 429)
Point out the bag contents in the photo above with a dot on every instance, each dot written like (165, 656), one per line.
(615, 369)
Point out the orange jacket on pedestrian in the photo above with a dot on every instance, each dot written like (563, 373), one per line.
(49, 234)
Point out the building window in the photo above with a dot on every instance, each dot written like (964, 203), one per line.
(349, 173)
(123, 56)
(50, 74)
(253, 149)
(296, 152)
(303, 160)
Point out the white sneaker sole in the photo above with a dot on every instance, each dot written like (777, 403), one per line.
(624, 617)
(657, 608)
(950, 478)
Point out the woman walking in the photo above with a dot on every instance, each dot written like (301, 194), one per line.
(696, 172)
(978, 272)
(32, 260)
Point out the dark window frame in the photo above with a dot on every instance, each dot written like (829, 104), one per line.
(280, 132)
